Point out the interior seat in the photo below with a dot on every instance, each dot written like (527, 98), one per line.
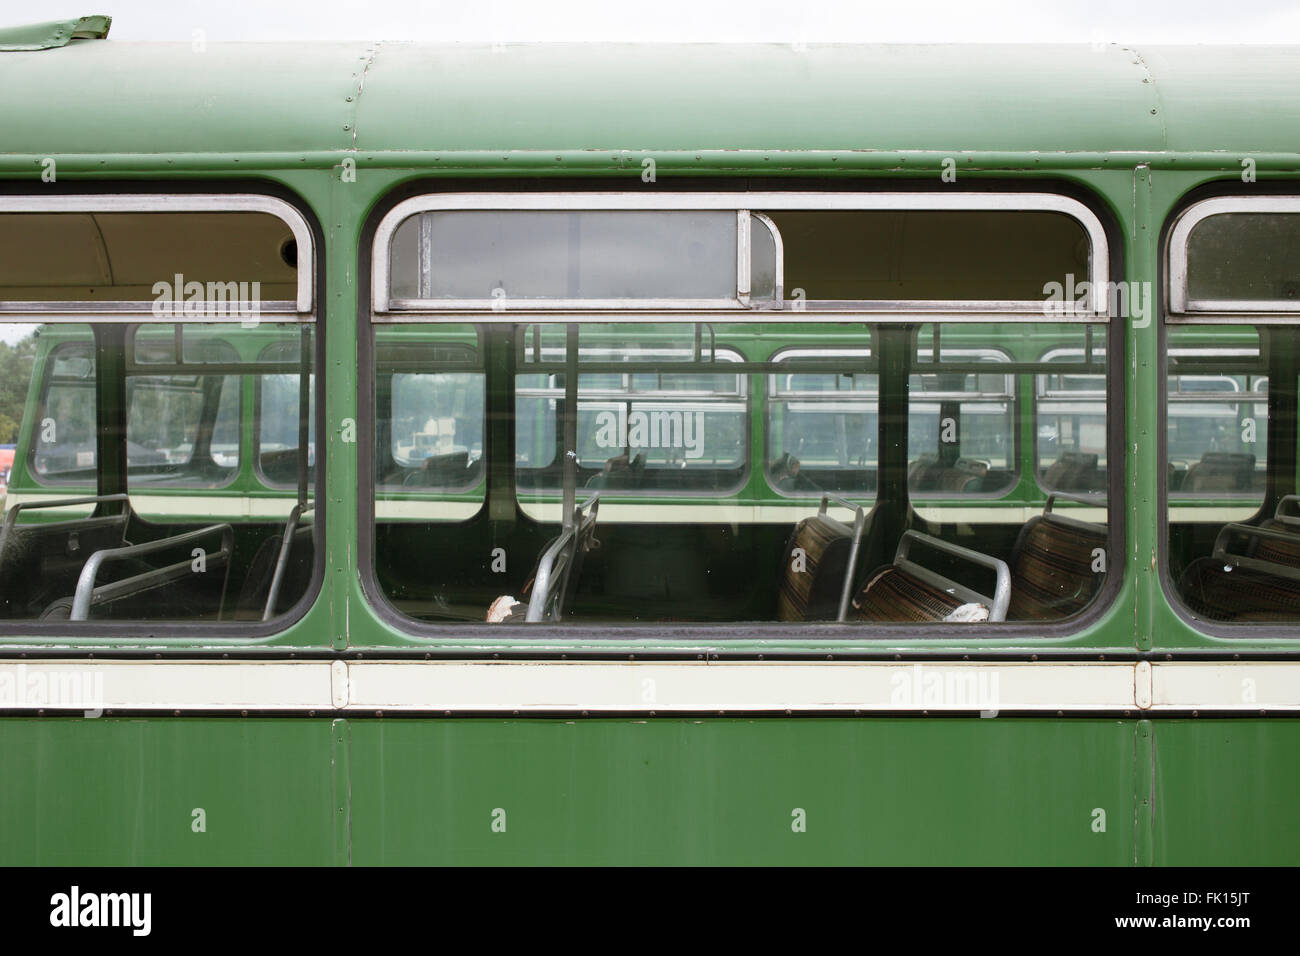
(814, 588)
(1074, 471)
(1051, 564)
(1221, 471)
(908, 592)
(1253, 573)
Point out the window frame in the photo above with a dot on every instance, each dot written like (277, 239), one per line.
(305, 308)
(1182, 307)
(302, 307)
(1105, 260)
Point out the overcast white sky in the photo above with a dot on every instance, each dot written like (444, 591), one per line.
(780, 21)
(776, 21)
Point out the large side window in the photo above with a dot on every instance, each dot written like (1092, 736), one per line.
(140, 488)
(748, 409)
(1230, 341)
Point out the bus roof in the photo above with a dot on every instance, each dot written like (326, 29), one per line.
(551, 106)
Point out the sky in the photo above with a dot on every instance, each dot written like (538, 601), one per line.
(778, 21)
(691, 21)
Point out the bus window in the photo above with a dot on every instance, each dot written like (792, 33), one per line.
(962, 435)
(133, 496)
(1070, 424)
(822, 426)
(280, 414)
(652, 424)
(182, 429)
(685, 418)
(63, 430)
(1230, 407)
(429, 394)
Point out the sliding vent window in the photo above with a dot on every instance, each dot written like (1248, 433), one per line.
(505, 259)
(164, 443)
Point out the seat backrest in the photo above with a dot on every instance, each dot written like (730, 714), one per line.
(555, 578)
(1221, 471)
(1051, 565)
(39, 562)
(1073, 471)
(1278, 550)
(253, 593)
(811, 578)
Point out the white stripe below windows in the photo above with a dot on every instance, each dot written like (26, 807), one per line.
(660, 688)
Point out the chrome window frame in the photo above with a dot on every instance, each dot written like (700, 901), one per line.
(1185, 310)
(747, 206)
(299, 309)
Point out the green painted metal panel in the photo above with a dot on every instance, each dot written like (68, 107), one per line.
(116, 791)
(724, 791)
(1225, 792)
(565, 105)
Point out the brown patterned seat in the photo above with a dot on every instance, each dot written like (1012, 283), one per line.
(1250, 581)
(810, 588)
(909, 592)
(894, 595)
(1220, 592)
(927, 473)
(1052, 572)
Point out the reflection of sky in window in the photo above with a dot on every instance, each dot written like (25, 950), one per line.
(11, 332)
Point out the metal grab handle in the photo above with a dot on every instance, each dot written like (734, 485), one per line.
(1278, 512)
(11, 516)
(1001, 590)
(86, 592)
(282, 562)
(850, 572)
(570, 536)
(1221, 552)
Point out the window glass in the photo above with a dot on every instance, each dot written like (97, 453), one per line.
(580, 254)
(822, 425)
(181, 527)
(431, 403)
(962, 435)
(645, 424)
(62, 433)
(927, 254)
(279, 408)
(691, 461)
(1245, 258)
(183, 416)
(1233, 518)
(221, 257)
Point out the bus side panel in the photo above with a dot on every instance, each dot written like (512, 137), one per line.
(1226, 791)
(109, 791)
(742, 791)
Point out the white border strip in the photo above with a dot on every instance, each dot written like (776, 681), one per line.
(510, 687)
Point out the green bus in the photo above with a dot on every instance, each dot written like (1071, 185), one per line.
(424, 455)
